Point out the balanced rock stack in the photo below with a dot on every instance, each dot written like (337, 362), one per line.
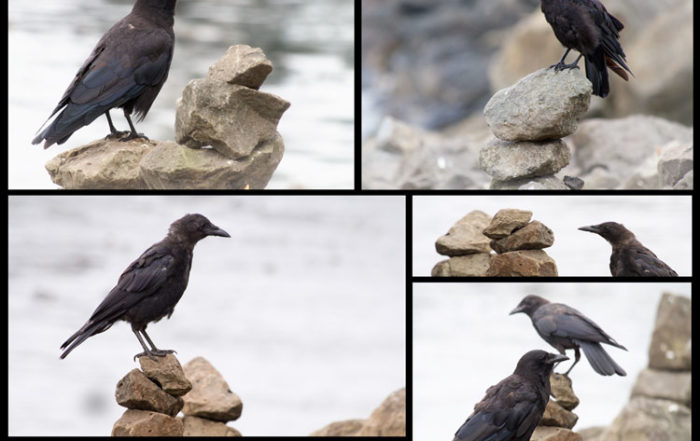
(155, 394)
(558, 418)
(529, 119)
(660, 404)
(518, 243)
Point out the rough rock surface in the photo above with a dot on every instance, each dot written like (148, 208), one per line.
(167, 374)
(505, 221)
(147, 423)
(210, 396)
(533, 236)
(505, 160)
(465, 236)
(544, 105)
(670, 347)
(341, 428)
(243, 65)
(195, 426)
(472, 265)
(563, 391)
(549, 433)
(648, 419)
(666, 385)
(136, 391)
(539, 183)
(528, 263)
(555, 415)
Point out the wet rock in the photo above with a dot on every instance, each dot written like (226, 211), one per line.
(243, 65)
(147, 423)
(194, 426)
(472, 265)
(136, 391)
(674, 386)
(173, 166)
(563, 391)
(670, 347)
(102, 164)
(210, 396)
(544, 105)
(167, 373)
(341, 428)
(533, 236)
(526, 263)
(648, 419)
(505, 160)
(465, 236)
(505, 221)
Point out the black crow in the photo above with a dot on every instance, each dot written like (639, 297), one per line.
(151, 286)
(587, 27)
(629, 257)
(511, 409)
(126, 69)
(563, 327)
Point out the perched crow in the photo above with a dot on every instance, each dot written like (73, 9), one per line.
(563, 327)
(587, 27)
(512, 408)
(151, 286)
(629, 257)
(126, 69)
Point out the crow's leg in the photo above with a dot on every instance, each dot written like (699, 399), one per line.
(578, 357)
(132, 135)
(561, 65)
(146, 351)
(114, 133)
(154, 349)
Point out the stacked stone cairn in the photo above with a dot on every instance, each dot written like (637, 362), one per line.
(155, 394)
(659, 408)
(517, 241)
(529, 119)
(558, 418)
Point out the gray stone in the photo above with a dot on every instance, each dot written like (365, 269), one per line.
(101, 165)
(649, 419)
(465, 236)
(173, 166)
(389, 419)
(550, 182)
(685, 183)
(233, 119)
(472, 265)
(210, 397)
(341, 428)
(505, 160)
(670, 347)
(573, 182)
(195, 426)
(549, 433)
(675, 162)
(505, 221)
(544, 105)
(243, 65)
(667, 385)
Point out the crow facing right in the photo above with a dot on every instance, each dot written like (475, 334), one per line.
(511, 409)
(151, 286)
(629, 257)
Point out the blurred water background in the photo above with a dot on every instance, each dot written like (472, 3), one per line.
(310, 44)
(662, 223)
(302, 310)
(464, 341)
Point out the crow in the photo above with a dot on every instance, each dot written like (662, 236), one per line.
(629, 257)
(587, 27)
(563, 327)
(151, 286)
(511, 409)
(126, 69)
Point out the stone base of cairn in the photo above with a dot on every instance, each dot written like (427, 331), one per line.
(517, 241)
(558, 418)
(155, 394)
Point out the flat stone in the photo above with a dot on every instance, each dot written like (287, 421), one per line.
(506, 221)
(533, 236)
(465, 236)
(505, 160)
(528, 263)
(243, 65)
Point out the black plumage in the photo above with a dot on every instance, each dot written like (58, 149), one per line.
(587, 27)
(511, 409)
(629, 257)
(151, 286)
(126, 69)
(564, 327)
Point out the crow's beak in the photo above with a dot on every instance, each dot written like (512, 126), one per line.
(516, 310)
(556, 358)
(591, 228)
(213, 230)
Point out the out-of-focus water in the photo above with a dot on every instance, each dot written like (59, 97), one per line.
(302, 310)
(464, 341)
(310, 44)
(662, 223)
